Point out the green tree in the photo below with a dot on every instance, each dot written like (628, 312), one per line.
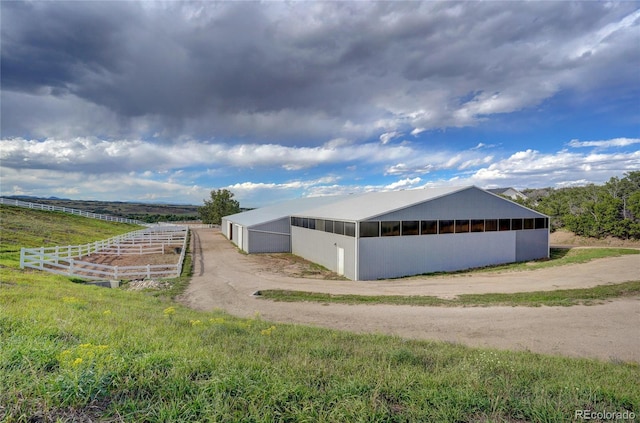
(221, 204)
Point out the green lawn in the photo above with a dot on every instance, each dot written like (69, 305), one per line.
(564, 297)
(71, 352)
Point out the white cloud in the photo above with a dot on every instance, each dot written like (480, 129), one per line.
(110, 187)
(388, 136)
(531, 168)
(616, 142)
(403, 184)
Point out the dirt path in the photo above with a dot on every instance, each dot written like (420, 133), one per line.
(226, 279)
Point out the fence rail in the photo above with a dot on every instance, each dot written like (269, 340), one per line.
(64, 259)
(46, 207)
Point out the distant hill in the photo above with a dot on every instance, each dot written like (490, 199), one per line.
(120, 208)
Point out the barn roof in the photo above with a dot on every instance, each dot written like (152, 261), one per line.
(281, 210)
(372, 204)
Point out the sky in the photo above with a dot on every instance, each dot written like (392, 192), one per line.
(167, 101)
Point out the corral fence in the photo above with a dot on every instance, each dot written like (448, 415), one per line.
(46, 207)
(65, 260)
(192, 224)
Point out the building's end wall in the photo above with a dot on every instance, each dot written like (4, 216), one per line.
(532, 245)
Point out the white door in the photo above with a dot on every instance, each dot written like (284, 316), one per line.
(240, 237)
(340, 261)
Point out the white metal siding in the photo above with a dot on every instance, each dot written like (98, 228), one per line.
(390, 257)
(322, 248)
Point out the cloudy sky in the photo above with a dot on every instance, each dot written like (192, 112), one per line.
(165, 101)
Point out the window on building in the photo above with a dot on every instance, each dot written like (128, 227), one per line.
(319, 225)
(390, 228)
(429, 227)
(369, 229)
(446, 226)
(349, 229)
(505, 224)
(477, 225)
(491, 225)
(411, 227)
(528, 223)
(516, 224)
(462, 226)
(305, 222)
(541, 223)
(328, 225)
(338, 227)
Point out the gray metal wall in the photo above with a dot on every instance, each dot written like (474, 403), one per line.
(390, 257)
(223, 227)
(532, 244)
(322, 248)
(270, 237)
(471, 203)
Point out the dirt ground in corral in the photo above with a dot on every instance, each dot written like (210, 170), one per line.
(226, 279)
(170, 257)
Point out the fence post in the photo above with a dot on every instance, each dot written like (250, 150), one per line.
(21, 258)
(71, 267)
(57, 254)
(41, 257)
(148, 271)
(115, 272)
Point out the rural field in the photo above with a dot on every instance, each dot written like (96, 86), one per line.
(72, 352)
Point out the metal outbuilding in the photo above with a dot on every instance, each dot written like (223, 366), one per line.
(398, 233)
(267, 229)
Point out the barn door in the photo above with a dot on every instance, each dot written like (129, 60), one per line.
(240, 233)
(340, 261)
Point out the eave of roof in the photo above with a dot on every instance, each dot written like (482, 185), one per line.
(282, 210)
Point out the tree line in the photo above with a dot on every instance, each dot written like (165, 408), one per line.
(611, 209)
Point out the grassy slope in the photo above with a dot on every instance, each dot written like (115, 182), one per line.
(75, 352)
(20, 227)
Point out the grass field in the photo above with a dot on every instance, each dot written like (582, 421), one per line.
(71, 352)
(564, 297)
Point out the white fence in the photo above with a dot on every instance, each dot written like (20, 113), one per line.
(156, 240)
(37, 206)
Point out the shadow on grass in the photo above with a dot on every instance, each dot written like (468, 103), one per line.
(556, 253)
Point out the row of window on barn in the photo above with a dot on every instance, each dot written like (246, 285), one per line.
(420, 227)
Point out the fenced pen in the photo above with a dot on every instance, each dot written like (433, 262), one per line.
(68, 260)
(46, 207)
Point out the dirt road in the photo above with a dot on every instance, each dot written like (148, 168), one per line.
(224, 278)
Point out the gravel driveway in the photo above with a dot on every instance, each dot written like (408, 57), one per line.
(225, 279)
